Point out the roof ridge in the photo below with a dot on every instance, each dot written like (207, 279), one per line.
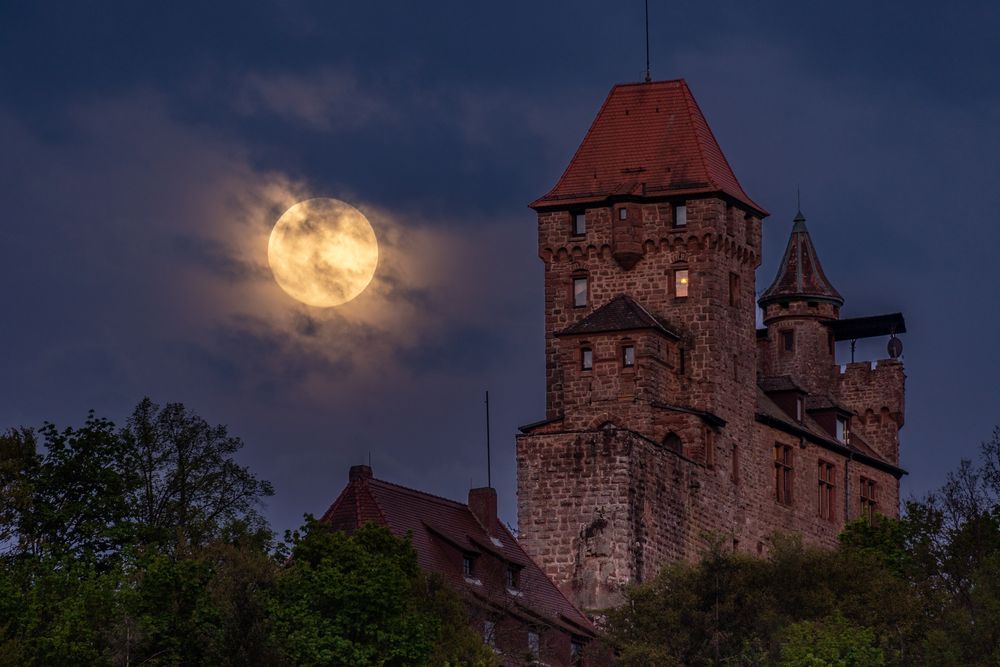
(420, 493)
(688, 102)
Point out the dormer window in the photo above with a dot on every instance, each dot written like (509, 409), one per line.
(628, 356)
(579, 292)
(680, 215)
(468, 566)
(579, 223)
(586, 358)
(841, 429)
(513, 577)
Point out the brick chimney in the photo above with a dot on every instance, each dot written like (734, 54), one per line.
(360, 472)
(483, 503)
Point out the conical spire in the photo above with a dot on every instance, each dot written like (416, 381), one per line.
(800, 276)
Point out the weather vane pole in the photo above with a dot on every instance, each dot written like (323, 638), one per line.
(648, 78)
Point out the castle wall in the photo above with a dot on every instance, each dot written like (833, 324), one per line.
(876, 394)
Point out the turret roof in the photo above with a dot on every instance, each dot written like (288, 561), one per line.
(648, 139)
(800, 275)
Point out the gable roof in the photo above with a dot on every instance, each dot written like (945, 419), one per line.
(437, 524)
(622, 313)
(800, 275)
(647, 139)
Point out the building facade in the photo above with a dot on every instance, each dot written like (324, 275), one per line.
(671, 421)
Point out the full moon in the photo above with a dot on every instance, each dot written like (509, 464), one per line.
(323, 252)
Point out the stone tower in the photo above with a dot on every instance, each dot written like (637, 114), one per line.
(650, 246)
(671, 423)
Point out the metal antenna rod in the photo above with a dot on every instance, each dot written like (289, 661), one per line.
(489, 468)
(648, 78)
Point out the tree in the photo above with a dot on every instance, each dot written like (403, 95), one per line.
(829, 642)
(362, 600)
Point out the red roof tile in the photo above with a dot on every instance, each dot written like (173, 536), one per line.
(651, 139)
(441, 530)
(622, 313)
(800, 275)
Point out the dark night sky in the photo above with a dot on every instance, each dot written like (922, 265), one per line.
(147, 148)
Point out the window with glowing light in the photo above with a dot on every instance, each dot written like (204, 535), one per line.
(681, 283)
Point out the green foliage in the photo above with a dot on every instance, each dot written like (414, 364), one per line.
(829, 642)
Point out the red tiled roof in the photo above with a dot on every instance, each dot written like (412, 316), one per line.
(800, 275)
(439, 527)
(647, 139)
(622, 313)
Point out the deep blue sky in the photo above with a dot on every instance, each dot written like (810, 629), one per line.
(146, 148)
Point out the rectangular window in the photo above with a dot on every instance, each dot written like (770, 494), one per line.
(681, 361)
(586, 358)
(576, 652)
(490, 633)
(869, 501)
(709, 447)
(734, 289)
(798, 408)
(579, 292)
(628, 356)
(825, 501)
(534, 644)
(841, 429)
(513, 577)
(787, 340)
(680, 215)
(681, 283)
(783, 473)
(623, 213)
(579, 223)
(467, 569)
(730, 220)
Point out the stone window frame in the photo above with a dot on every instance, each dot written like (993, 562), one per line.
(534, 644)
(784, 471)
(674, 273)
(575, 276)
(584, 349)
(826, 498)
(671, 441)
(625, 344)
(868, 494)
(677, 207)
(469, 565)
(786, 341)
(621, 213)
(574, 216)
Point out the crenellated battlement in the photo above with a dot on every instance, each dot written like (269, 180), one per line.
(875, 392)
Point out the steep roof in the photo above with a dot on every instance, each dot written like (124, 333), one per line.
(622, 313)
(647, 139)
(800, 275)
(436, 526)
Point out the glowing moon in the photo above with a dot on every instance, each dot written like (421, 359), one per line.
(323, 252)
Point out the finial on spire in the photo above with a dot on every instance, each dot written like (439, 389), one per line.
(648, 77)
(799, 219)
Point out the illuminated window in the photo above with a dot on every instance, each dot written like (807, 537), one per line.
(586, 358)
(869, 502)
(628, 356)
(681, 283)
(783, 473)
(680, 215)
(825, 501)
(579, 223)
(841, 429)
(579, 292)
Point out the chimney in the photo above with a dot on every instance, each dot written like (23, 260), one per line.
(483, 503)
(359, 472)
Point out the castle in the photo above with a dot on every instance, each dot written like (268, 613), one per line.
(672, 421)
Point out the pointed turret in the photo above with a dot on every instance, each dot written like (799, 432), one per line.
(800, 275)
